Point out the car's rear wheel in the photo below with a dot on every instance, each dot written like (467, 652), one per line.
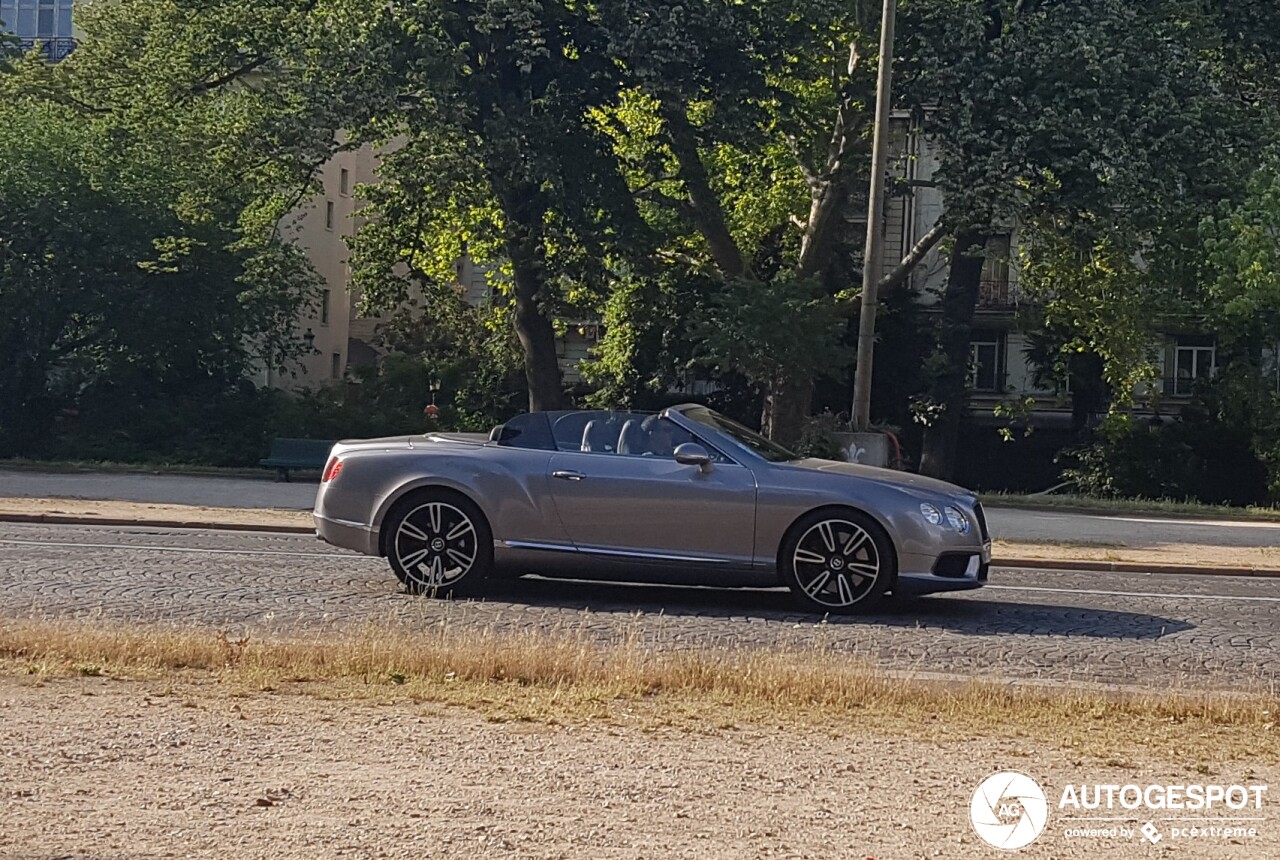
(439, 543)
(837, 560)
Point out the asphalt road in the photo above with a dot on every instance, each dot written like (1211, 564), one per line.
(1006, 523)
(1151, 630)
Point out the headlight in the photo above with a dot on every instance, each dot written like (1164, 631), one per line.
(957, 520)
(930, 513)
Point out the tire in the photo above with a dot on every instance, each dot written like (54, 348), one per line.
(837, 560)
(439, 543)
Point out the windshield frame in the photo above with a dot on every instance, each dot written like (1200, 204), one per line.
(740, 437)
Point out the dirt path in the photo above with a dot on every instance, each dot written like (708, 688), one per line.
(108, 768)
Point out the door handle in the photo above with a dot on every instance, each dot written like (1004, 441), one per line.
(568, 476)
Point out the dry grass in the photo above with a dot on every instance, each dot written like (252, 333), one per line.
(559, 678)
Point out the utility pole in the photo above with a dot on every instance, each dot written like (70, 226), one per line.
(861, 416)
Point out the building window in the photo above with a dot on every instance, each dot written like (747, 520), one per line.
(994, 288)
(328, 214)
(335, 369)
(37, 19)
(324, 307)
(986, 361)
(344, 182)
(46, 23)
(1194, 358)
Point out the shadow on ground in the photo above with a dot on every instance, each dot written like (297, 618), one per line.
(970, 614)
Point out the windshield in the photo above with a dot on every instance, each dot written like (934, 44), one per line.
(770, 451)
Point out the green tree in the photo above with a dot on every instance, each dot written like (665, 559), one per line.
(1094, 128)
(491, 155)
(142, 197)
(1241, 264)
(744, 137)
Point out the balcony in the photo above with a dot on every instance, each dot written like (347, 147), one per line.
(997, 295)
(1180, 386)
(53, 49)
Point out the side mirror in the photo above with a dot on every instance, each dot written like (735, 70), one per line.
(693, 454)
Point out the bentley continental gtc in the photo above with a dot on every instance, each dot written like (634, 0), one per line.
(683, 496)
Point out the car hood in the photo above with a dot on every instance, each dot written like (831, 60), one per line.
(889, 477)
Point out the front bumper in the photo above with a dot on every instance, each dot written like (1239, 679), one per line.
(952, 570)
(348, 535)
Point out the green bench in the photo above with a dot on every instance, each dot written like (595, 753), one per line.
(289, 454)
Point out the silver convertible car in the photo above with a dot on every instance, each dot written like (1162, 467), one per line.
(685, 496)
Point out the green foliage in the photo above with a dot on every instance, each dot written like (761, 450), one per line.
(471, 352)
(1130, 458)
(9, 49)
(102, 284)
(1098, 300)
(818, 437)
(139, 207)
(1104, 131)
(1223, 448)
(1015, 413)
(740, 133)
(124, 425)
(1241, 268)
(762, 328)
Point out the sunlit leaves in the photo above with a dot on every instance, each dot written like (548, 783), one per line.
(1242, 258)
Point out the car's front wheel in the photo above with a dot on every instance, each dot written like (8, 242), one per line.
(837, 560)
(439, 543)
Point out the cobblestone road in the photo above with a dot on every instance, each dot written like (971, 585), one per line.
(1200, 632)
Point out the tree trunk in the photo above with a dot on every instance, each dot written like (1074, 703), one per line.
(704, 207)
(522, 214)
(787, 401)
(1088, 391)
(951, 386)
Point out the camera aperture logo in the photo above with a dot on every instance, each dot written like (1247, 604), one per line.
(1009, 810)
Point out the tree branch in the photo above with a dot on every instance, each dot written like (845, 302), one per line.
(229, 77)
(653, 195)
(913, 258)
(810, 177)
(706, 210)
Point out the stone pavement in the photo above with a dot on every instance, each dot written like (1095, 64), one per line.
(1006, 523)
(1159, 631)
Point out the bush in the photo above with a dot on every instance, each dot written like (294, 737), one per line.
(1223, 449)
(215, 428)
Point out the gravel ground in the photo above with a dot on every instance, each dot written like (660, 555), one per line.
(92, 767)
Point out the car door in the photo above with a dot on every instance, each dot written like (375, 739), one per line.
(643, 504)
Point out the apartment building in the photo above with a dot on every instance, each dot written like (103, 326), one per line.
(1000, 369)
(337, 334)
(46, 23)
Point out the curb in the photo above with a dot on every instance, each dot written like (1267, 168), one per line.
(70, 520)
(1134, 567)
(1085, 510)
(1025, 563)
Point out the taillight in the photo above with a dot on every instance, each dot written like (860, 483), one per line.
(331, 470)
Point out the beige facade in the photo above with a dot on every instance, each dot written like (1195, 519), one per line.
(340, 336)
(322, 227)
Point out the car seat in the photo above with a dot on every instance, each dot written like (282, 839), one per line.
(632, 439)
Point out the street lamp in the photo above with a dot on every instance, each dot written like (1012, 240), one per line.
(861, 414)
(431, 410)
(309, 338)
